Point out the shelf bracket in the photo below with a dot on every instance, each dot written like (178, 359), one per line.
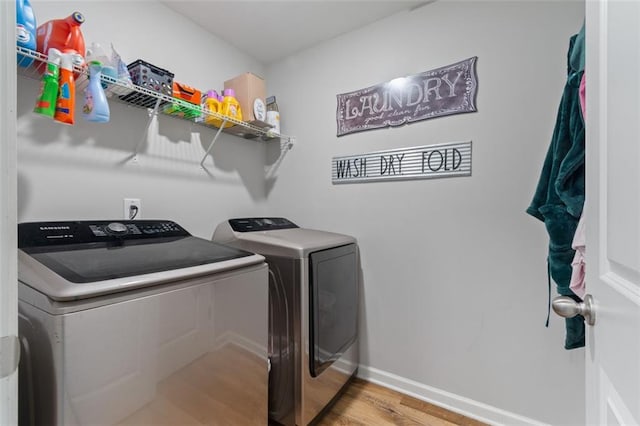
(224, 122)
(290, 142)
(286, 145)
(152, 113)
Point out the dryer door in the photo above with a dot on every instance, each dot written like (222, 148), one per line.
(333, 305)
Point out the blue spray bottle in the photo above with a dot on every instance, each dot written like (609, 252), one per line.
(95, 107)
(25, 30)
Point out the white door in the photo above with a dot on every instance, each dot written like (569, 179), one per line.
(8, 209)
(613, 211)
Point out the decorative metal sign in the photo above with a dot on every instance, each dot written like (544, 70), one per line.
(443, 91)
(423, 162)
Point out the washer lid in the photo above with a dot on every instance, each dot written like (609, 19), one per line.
(58, 258)
(101, 262)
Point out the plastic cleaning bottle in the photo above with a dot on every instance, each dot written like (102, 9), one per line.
(25, 30)
(65, 104)
(121, 67)
(95, 107)
(230, 105)
(46, 102)
(273, 115)
(95, 52)
(64, 35)
(211, 103)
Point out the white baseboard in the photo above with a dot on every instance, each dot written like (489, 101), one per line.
(452, 402)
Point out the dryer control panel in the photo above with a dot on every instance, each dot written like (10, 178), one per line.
(252, 224)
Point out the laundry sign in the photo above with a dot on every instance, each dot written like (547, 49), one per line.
(423, 162)
(443, 91)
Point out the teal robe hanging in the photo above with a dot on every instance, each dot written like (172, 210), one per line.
(559, 196)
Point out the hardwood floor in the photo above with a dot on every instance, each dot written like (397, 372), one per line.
(213, 391)
(220, 388)
(368, 404)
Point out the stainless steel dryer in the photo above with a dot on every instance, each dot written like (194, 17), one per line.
(313, 311)
(139, 322)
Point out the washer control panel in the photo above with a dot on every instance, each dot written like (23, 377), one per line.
(149, 228)
(40, 234)
(252, 224)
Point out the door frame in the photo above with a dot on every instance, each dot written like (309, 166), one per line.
(593, 58)
(9, 347)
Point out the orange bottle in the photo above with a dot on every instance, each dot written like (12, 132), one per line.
(62, 34)
(66, 102)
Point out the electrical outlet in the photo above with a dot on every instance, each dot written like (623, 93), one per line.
(132, 208)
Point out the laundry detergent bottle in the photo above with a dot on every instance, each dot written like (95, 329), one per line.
(231, 106)
(65, 104)
(25, 30)
(46, 102)
(212, 104)
(64, 35)
(95, 107)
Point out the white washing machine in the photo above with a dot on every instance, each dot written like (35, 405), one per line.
(138, 322)
(313, 312)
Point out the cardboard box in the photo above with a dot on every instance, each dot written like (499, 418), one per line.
(248, 87)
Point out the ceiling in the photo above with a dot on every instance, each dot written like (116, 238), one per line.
(270, 30)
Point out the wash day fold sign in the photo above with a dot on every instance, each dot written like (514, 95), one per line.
(444, 91)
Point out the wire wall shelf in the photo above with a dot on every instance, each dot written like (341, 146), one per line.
(32, 64)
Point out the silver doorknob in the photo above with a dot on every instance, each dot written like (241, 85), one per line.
(568, 308)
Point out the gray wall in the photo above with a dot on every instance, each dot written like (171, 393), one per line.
(84, 171)
(455, 282)
(455, 275)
